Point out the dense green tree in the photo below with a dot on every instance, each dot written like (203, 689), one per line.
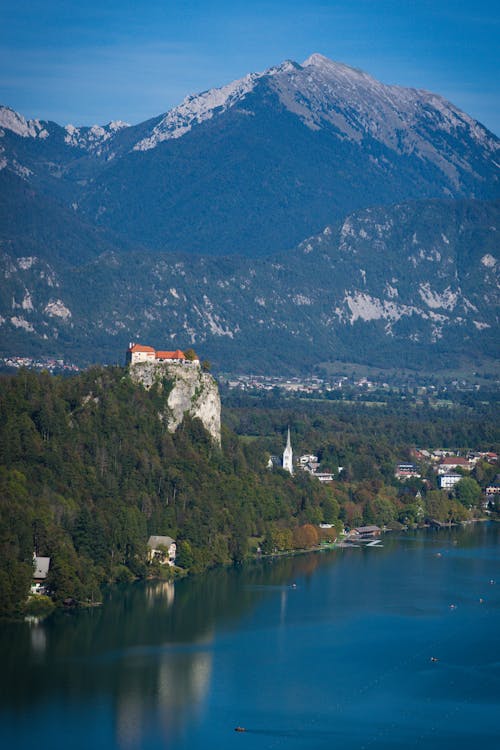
(468, 491)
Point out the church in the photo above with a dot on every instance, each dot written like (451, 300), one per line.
(288, 455)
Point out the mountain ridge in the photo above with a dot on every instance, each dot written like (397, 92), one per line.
(407, 285)
(249, 170)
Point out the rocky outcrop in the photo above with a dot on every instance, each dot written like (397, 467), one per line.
(190, 391)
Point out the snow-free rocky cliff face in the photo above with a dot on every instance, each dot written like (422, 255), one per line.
(191, 391)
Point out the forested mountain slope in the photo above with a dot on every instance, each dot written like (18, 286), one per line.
(410, 285)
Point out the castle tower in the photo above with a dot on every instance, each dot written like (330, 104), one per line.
(288, 455)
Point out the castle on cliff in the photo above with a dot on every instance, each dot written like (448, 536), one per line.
(139, 353)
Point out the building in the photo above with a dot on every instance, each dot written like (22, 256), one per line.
(308, 458)
(362, 531)
(163, 549)
(139, 353)
(324, 476)
(447, 481)
(493, 488)
(406, 471)
(312, 467)
(288, 455)
(453, 462)
(41, 566)
(274, 462)
(176, 356)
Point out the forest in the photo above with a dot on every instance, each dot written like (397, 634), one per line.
(88, 471)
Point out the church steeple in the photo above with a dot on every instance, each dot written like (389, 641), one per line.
(288, 455)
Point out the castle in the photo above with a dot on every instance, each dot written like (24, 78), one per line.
(139, 353)
(187, 386)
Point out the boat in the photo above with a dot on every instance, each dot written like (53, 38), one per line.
(240, 729)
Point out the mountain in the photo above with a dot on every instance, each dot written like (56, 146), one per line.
(414, 284)
(189, 228)
(255, 166)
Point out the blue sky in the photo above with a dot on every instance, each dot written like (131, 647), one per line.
(96, 60)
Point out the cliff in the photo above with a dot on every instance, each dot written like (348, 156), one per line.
(190, 391)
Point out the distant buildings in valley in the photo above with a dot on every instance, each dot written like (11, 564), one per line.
(51, 364)
(378, 388)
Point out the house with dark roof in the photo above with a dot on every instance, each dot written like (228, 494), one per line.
(362, 531)
(41, 570)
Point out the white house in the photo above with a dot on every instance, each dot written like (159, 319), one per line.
(163, 549)
(447, 481)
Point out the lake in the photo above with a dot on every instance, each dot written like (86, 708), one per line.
(323, 650)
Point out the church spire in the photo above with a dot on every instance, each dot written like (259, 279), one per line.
(288, 454)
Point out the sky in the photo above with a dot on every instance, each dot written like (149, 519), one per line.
(93, 61)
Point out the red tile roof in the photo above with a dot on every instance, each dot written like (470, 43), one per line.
(141, 348)
(170, 355)
(455, 460)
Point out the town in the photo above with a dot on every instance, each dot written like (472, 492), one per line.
(376, 388)
(441, 468)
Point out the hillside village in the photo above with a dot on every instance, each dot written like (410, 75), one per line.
(445, 465)
(448, 466)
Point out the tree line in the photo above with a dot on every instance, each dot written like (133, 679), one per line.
(88, 470)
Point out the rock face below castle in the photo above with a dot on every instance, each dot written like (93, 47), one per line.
(192, 392)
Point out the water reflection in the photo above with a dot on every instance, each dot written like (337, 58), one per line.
(160, 590)
(150, 657)
(148, 650)
(181, 681)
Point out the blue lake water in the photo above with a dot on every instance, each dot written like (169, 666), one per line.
(343, 659)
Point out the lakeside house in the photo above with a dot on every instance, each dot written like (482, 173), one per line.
(41, 570)
(162, 548)
(363, 531)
